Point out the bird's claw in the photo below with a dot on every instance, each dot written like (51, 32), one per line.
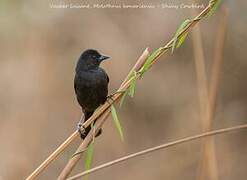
(110, 97)
(81, 130)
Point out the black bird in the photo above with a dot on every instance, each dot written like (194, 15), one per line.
(90, 84)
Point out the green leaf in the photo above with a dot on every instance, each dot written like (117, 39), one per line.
(174, 44)
(149, 61)
(179, 40)
(123, 98)
(132, 86)
(116, 121)
(215, 4)
(89, 156)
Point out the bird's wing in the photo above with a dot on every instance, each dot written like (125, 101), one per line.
(107, 78)
(75, 87)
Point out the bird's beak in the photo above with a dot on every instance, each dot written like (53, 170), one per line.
(103, 58)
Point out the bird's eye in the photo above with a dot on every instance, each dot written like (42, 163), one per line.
(94, 56)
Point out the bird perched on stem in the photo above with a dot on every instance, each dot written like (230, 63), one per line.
(91, 85)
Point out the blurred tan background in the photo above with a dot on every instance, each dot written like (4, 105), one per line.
(38, 110)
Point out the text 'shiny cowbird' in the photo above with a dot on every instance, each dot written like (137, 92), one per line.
(91, 85)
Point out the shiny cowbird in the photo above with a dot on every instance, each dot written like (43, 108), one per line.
(91, 85)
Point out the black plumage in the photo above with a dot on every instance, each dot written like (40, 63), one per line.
(90, 84)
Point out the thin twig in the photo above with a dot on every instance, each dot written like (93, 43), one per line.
(58, 151)
(139, 63)
(190, 25)
(72, 162)
(163, 146)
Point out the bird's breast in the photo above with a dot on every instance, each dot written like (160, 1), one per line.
(91, 89)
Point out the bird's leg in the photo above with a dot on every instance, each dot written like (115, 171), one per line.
(84, 131)
(80, 127)
(109, 97)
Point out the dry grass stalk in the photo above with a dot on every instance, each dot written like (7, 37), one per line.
(209, 168)
(53, 156)
(204, 104)
(72, 162)
(163, 146)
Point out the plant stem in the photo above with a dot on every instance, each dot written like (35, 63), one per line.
(53, 156)
(156, 148)
(208, 164)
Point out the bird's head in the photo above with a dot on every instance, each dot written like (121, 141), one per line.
(90, 59)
